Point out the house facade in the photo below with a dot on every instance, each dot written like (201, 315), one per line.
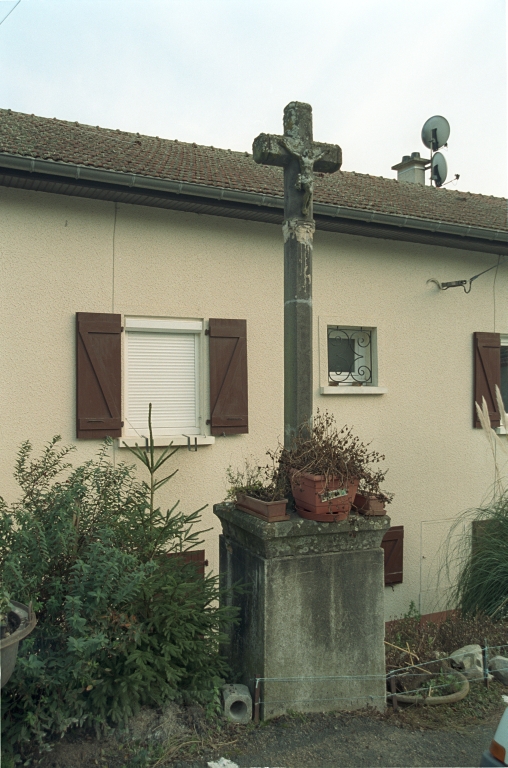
(135, 268)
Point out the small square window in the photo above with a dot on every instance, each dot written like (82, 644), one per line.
(162, 368)
(350, 356)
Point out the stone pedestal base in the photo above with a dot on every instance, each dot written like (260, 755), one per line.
(311, 617)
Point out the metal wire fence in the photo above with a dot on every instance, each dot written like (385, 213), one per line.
(410, 670)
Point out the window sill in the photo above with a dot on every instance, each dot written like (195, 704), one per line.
(353, 390)
(501, 431)
(161, 442)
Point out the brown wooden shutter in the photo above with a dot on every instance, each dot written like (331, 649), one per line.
(487, 373)
(228, 377)
(196, 556)
(98, 379)
(392, 543)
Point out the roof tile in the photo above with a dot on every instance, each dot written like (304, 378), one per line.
(116, 150)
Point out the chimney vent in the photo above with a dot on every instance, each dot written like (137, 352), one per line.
(412, 168)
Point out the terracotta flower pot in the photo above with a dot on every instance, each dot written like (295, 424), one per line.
(271, 511)
(369, 504)
(316, 501)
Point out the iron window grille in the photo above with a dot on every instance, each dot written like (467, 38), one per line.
(350, 356)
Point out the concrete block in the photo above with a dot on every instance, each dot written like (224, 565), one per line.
(469, 661)
(237, 703)
(499, 668)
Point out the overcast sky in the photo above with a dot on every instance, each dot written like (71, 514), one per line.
(219, 72)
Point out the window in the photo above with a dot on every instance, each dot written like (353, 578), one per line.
(490, 370)
(162, 363)
(348, 355)
(163, 368)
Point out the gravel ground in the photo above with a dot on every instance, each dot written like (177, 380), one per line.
(324, 741)
(336, 740)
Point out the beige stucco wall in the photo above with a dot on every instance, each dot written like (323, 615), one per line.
(438, 464)
(61, 255)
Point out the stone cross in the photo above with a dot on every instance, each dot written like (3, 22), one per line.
(300, 156)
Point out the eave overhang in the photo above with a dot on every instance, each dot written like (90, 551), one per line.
(117, 186)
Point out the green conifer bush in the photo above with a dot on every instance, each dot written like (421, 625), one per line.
(120, 623)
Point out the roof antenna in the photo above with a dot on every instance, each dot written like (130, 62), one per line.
(435, 134)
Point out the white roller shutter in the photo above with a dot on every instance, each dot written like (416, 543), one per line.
(162, 369)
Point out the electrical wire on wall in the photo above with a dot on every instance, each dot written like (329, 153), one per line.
(494, 289)
(494, 309)
(113, 293)
(8, 14)
(113, 260)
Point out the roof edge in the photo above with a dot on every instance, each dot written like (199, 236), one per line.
(134, 180)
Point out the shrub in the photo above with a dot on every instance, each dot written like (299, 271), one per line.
(120, 624)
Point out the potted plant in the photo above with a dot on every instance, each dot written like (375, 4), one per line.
(16, 622)
(371, 503)
(325, 467)
(258, 491)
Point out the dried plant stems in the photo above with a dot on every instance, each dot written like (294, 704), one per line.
(331, 453)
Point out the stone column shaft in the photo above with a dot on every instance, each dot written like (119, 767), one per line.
(299, 155)
(298, 367)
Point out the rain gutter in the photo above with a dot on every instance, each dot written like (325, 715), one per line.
(133, 180)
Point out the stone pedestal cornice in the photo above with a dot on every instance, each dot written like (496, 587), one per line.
(298, 536)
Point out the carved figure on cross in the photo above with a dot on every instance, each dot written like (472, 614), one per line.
(300, 156)
(305, 180)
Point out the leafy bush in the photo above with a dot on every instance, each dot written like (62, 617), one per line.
(120, 623)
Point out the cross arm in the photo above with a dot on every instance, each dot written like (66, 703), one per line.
(330, 157)
(270, 149)
(267, 149)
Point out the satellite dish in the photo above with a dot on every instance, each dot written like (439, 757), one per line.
(439, 169)
(436, 132)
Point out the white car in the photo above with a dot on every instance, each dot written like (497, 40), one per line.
(497, 754)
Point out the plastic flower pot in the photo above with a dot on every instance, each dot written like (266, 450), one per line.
(10, 642)
(325, 502)
(271, 511)
(369, 504)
